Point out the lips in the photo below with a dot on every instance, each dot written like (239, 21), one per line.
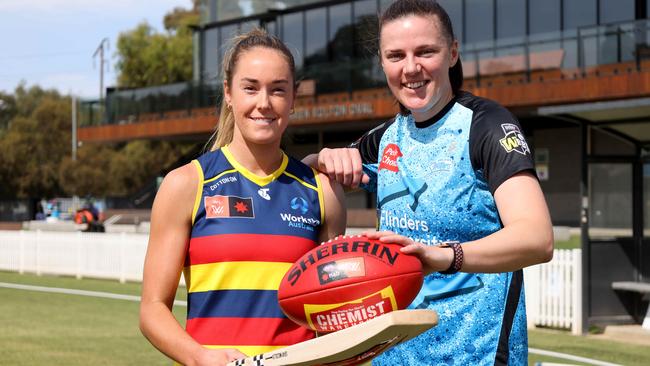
(415, 84)
(263, 119)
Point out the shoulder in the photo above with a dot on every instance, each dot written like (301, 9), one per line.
(182, 179)
(368, 143)
(301, 170)
(484, 110)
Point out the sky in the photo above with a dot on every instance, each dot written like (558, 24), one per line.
(51, 43)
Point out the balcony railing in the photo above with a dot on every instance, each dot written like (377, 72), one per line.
(535, 58)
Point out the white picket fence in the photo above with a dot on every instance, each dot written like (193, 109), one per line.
(553, 289)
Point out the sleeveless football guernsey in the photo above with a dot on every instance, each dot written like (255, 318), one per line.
(247, 231)
(435, 182)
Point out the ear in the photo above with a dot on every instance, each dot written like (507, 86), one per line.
(453, 54)
(226, 92)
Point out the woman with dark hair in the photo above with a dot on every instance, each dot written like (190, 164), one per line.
(229, 222)
(455, 186)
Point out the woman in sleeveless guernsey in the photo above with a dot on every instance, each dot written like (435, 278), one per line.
(235, 219)
(456, 186)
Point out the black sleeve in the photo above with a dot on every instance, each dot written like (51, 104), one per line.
(497, 144)
(368, 144)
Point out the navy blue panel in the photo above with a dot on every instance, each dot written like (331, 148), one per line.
(234, 303)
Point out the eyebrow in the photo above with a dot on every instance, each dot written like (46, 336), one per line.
(255, 81)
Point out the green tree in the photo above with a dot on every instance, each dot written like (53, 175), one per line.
(148, 58)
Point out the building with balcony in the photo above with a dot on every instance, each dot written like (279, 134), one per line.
(575, 72)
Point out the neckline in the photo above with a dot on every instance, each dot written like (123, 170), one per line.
(257, 179)
(437, 117)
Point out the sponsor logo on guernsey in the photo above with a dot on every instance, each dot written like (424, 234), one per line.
(389, 158)
(222, 181)
(264, 193)
(389, 220)
(298, 220)
(228, 206)
(341, 269)
(513, 140)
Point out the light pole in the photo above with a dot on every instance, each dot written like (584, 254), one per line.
(103, 46)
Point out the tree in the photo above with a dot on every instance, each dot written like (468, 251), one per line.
(149, 58)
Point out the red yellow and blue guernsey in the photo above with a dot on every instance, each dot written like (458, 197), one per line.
(247, 231)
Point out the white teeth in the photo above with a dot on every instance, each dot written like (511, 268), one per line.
(267, 120)
(414, 85)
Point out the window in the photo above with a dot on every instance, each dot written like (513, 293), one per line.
(292, 32)
(616, 11)
(544, 16)
(578, 13)
(210, 54)
(315, 36)
(480, 21)
(365, 28)
(511, 18)
(340, 35)
(454, 9)
(226, 34)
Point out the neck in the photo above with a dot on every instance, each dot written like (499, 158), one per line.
(435, 109)
(260, 160)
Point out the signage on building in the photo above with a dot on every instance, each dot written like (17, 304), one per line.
(333, 111)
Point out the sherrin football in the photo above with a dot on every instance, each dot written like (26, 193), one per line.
(347, 281)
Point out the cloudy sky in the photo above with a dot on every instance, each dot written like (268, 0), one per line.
(51, 42)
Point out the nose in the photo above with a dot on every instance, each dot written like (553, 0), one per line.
(263, 101)
(412, 66)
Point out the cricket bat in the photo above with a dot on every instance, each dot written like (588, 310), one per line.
(351, 346)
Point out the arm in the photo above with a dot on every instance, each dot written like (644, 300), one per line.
(342, 165)
(335, 210)
(169, 236)
(525, 239)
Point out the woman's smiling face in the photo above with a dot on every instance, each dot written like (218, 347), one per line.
(416, 56)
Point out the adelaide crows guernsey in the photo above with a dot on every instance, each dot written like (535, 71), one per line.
(247, 231)
(435, 182)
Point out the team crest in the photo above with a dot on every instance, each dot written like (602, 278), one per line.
(513, 140)
(228, 206)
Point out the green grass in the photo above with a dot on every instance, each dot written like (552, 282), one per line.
(599, 349)
(59, 329)
(574, 242)
(40, 328)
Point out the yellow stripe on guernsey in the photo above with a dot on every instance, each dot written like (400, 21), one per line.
(236, 276)
(260, 181)
(321, 195)
(199, 189)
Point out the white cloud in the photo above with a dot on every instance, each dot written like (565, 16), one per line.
(80, 84)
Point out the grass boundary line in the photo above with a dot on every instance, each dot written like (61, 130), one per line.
(69, 291)
(567, 356)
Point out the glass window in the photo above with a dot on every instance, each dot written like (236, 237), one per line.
(210, 54)
(292, 35)
(544, 16)
(480, 21)
(365, 28)
(616, 10)
(454, 9)
(271, 27)
(341, 31)
(511, 18)
(315, 36)
(247, 26)
(383, 4)
(226, 35)
(578, 13)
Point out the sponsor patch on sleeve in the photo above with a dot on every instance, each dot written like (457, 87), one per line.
(513, 139)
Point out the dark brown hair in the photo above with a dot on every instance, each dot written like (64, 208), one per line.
(255, 38)
(403, 8)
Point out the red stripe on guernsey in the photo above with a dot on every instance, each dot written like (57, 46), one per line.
(247, 247)
(247, 331)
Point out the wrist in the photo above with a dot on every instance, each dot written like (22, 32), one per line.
(457, 259)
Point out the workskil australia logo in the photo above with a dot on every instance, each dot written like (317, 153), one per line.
(513, 140)
(296, 218)
(389, 158)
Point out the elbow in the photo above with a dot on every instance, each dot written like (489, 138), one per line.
(546, 246)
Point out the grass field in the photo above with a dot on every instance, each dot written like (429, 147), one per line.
(60, 329)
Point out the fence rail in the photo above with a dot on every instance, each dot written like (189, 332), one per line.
(553, 296)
